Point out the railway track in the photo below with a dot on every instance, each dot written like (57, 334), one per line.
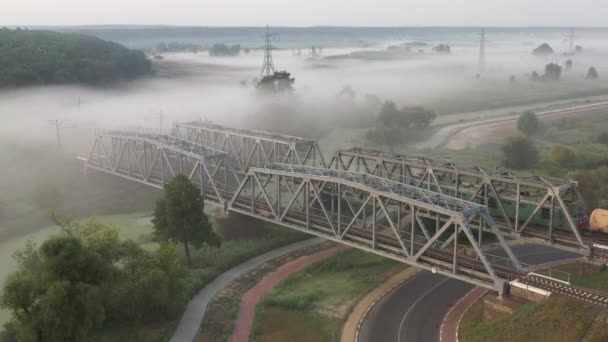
(565, 289)
(434, 257)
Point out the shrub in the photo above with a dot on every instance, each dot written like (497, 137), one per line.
(528, 123)
(519, 152)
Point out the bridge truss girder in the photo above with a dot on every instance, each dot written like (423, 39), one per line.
(250, 148)
(293, 197)
(486, 187)
(154, 160)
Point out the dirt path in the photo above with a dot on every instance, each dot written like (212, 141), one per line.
(246, 314)
(473, 134)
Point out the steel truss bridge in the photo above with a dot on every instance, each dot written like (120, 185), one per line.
(252, 148)
(364, 211)
(492, 188)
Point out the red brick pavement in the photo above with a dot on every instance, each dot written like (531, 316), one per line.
(244, 320)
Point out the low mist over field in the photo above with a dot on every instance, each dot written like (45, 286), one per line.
(341, 87)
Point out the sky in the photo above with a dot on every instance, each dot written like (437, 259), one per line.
(306, 12)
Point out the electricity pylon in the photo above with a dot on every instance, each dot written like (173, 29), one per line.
(481, 67)
(268, 66)
(571, 39)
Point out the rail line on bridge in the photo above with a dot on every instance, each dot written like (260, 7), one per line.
(501, 190)
(364, 211)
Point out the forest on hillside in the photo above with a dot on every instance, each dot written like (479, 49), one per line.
(31, 57)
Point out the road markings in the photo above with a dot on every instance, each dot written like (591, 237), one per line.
(415, 303)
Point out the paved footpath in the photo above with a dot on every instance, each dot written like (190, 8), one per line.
(246, 314)
(190, 323)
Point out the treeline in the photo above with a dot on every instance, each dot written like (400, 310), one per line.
(30, 57)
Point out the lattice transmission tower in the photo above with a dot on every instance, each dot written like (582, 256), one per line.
(571, 39)
(481, 66)
(268, 66)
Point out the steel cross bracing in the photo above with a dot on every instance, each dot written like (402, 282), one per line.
(492, 188)
(333, 204)
(154, 159)
(252, 148)
(336, 205)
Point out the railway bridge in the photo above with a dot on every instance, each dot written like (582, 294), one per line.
(431, 214)
(364, 211)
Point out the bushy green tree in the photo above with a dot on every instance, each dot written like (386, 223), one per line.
(519, 152)
(444, 49)
(602, 138)
(543, 49)
(592, 74)
(84, 277)
(223, 50)
(594, 186)
(56, 293)
(279, 82)
(553, 72)
(179, 216)
(528, 123)
(563, 156)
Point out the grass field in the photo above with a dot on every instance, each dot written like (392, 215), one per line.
(311, 305)
(595, 280)
(556, 320)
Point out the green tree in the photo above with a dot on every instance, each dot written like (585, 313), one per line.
(279, 82)
(543, 50)
(56, 293)
(592, 74)
(518, 153)
(179, 216)
(528, 123)
(602, 138)
(553, 72)
(563, 155)
(594, 186)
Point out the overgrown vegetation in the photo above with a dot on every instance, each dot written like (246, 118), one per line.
(279, 82)
(519, 153)
(223, 50)
(84, 278)
(395, 126)
(543, 50)
(311, 305)
(556, 319)
(528, 123)
(43, 57)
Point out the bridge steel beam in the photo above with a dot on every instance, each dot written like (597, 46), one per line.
(154, 159)
(251, 148)
(338, 214)
(496, 189)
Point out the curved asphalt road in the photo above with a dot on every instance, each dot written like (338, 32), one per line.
(414, 310)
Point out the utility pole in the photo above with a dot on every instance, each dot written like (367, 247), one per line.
(481, 67)
(56, 124)
(268, 66)
(161, 121)
(571, 39)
